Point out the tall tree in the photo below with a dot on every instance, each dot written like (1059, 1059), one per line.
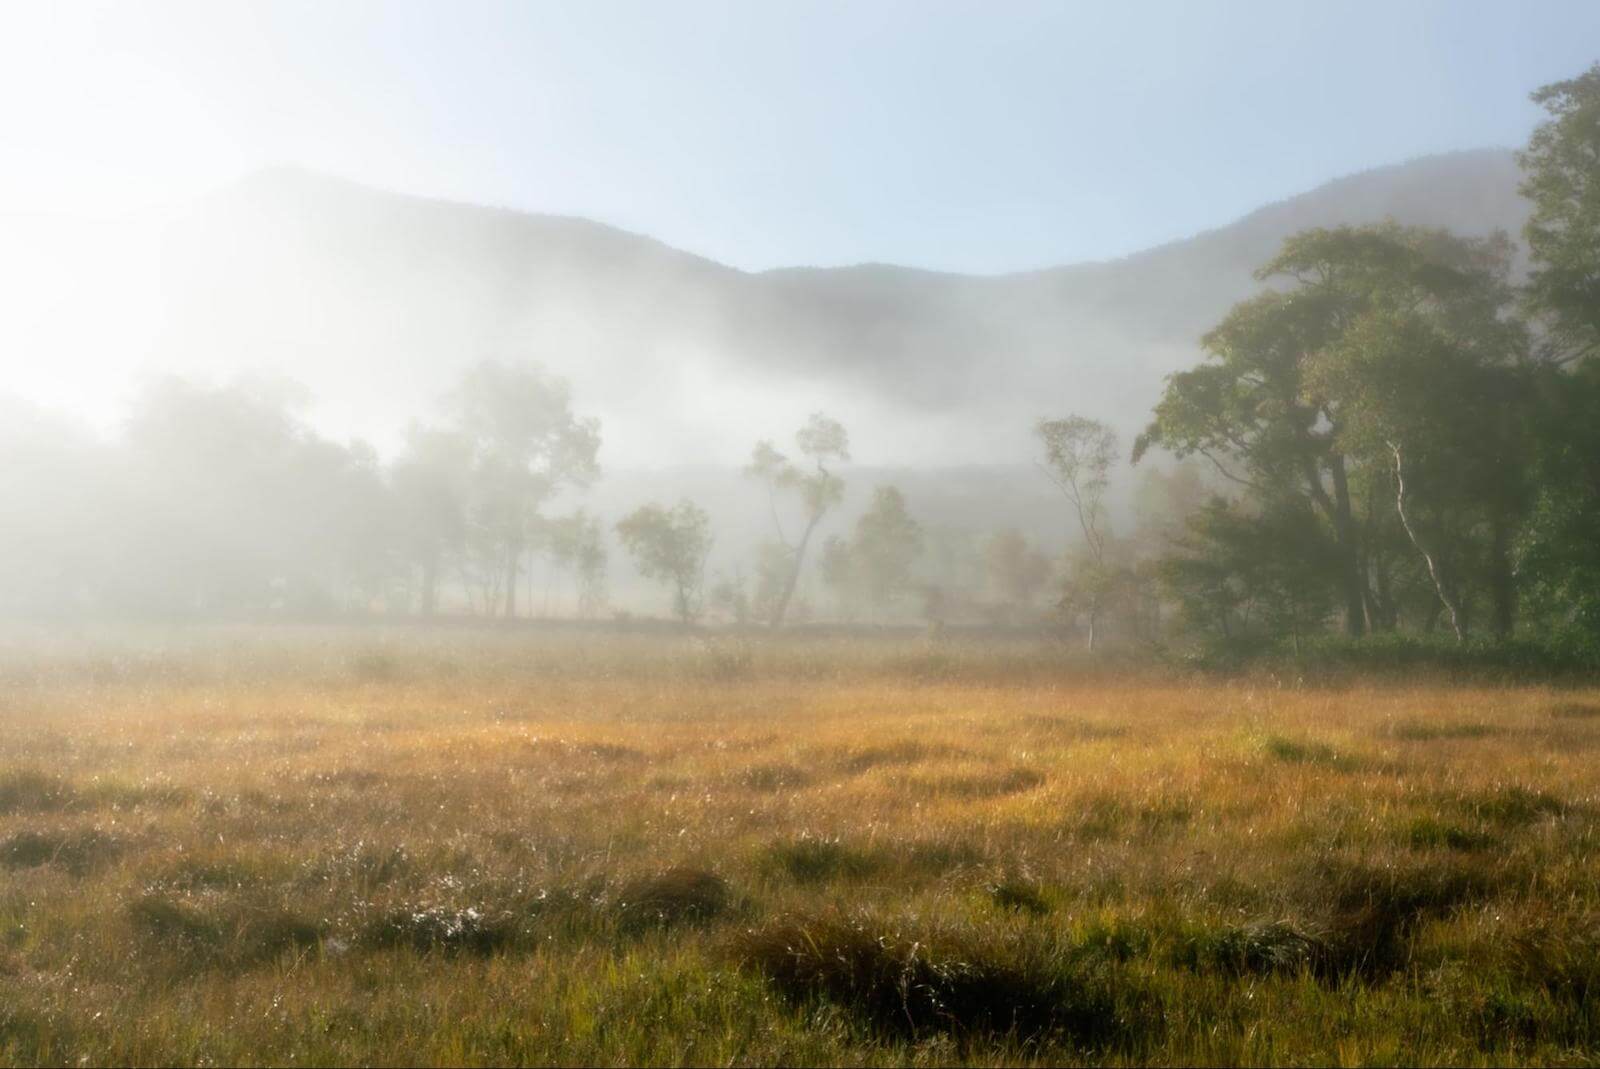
(822, 441)
(671, 545)
(573, 543)
(1015, 570)
(527, 444)
(1561, 177)
(1272, 570)
(1560, 551)
(1267, 410)
(431, 481)
(885, 546)
(1078, 454)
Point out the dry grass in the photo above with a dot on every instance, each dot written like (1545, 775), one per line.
(335, 848)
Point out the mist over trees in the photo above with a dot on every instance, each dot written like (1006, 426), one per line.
(1399, 433)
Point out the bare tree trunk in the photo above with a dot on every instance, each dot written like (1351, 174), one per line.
(1433, 568)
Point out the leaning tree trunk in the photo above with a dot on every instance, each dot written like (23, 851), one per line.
(782, 608)
(1433, 567)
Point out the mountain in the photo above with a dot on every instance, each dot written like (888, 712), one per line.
(376, 300)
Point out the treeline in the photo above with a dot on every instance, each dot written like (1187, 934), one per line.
(1400, 433)
(1413, 436)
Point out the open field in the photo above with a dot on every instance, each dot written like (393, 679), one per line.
(478, 848)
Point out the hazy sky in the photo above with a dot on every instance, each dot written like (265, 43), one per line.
(980, 137)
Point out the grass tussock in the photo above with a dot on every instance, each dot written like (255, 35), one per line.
(1300, 751)
(913, 984)
(809, 859)
(681, 895)
(1430, 832)
(856, 760)
(75, 850)
(1430, 731)
(1257, 948)
(1371, 910)
(29, 790)
(775, 776)
(230, 935)
(1513, 806)
(988, 783)
(1020, 894)
(433, 928)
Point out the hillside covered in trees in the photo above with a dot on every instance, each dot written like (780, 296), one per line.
(1389, 423)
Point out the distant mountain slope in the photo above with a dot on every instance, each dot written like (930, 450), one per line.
(375, 300)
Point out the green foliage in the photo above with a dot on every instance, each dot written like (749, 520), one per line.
(822, 441)
(671, 545)
(876, 563)
(1237, 574)
(1561, 169)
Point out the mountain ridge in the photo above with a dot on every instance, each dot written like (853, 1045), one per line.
(377, 299)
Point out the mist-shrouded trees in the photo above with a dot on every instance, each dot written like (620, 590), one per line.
(575, 544)
(236, 506)
(59, 492)
(1078, 456)
(1234, 573)
(821, 442)
(876, 563)
(527, 444)
(1015, 570)
(671, 545)
(432, 481)
(1326, 390)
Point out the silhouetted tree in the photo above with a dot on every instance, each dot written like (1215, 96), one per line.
(821, 441)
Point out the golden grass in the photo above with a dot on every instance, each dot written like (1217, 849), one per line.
(522, 849)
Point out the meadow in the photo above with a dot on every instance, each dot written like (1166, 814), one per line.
(461, 846)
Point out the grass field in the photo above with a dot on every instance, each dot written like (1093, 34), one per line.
(301, 847)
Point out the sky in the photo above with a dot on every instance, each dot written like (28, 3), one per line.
(979, 137)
